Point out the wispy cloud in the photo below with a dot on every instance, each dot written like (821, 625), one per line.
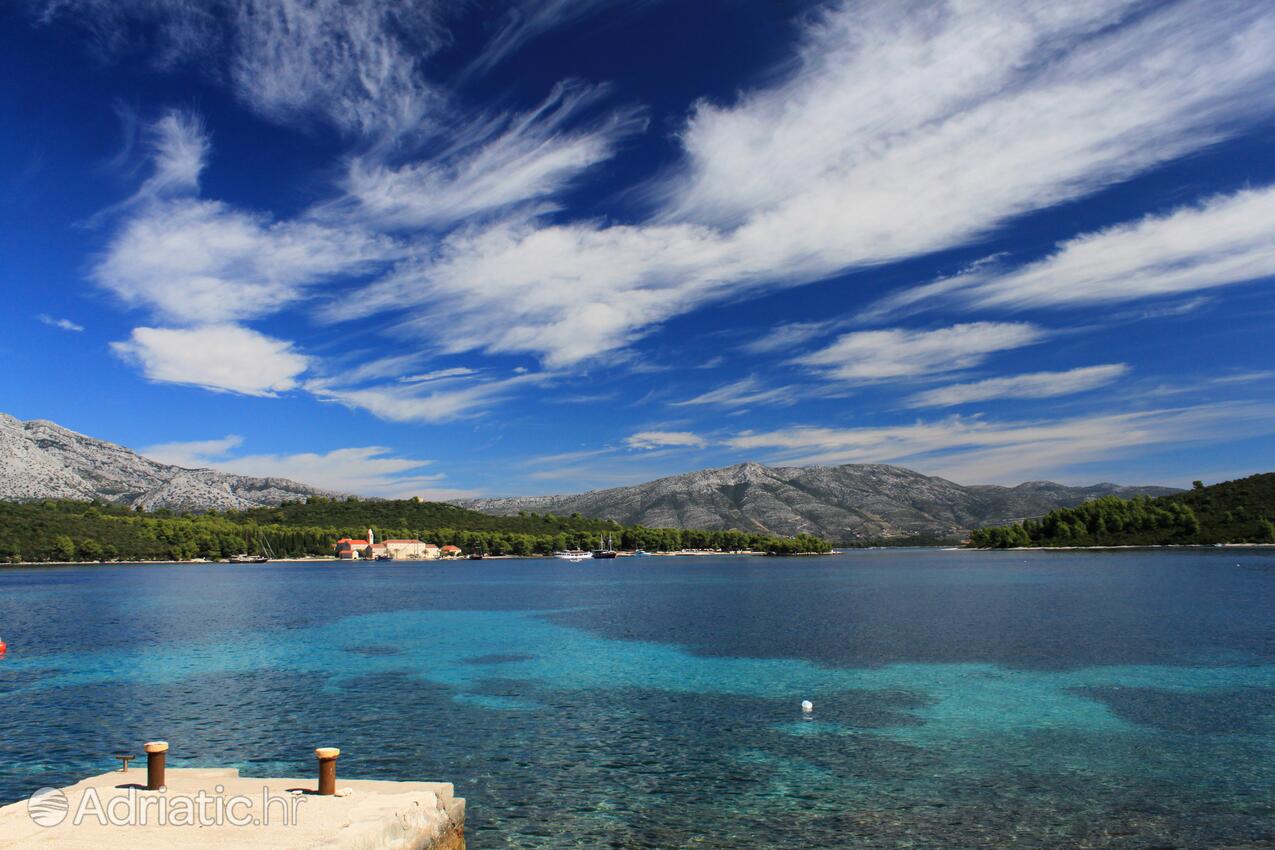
(193, 260)
(977, 450)
(788, 336)
(903, 353)
(1206, 384)
(224, 358)
(899, 129)
(365, 470)
(193, 454)
(1246, 377)
(1220, 241)
(1033, 385)
(438, 375)
(62, 324)
(411, 403)
(664, 440)
(983, 112)
(203, 261)
(493, 162)
(179, 148)
(740, 393)
(526, 21)
(356, 63)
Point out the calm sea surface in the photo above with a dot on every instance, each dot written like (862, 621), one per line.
(962, 700)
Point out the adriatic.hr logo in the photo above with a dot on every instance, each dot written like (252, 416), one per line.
(50, 807)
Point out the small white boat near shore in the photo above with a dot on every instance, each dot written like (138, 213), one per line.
(574, 555)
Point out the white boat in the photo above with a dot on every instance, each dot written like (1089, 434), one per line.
(573, 555)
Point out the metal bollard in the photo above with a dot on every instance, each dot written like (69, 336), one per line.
(327, 769)
(156, 755)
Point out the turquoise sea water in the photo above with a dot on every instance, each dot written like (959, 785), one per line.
(961, 699)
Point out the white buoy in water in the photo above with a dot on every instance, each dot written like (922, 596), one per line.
(807, 706)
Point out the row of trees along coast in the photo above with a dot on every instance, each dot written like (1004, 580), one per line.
(1240, 511)
(52, 530)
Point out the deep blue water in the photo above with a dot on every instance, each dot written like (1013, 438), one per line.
(962, 700)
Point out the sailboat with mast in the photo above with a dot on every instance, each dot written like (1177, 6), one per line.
(263, 554)
(605, 550)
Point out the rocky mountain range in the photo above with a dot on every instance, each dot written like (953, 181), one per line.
(43, 460)
(840, 503)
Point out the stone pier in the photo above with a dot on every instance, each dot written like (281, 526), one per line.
(217, 808)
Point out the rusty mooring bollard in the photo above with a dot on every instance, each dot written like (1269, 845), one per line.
(156, 754)
(327, 769)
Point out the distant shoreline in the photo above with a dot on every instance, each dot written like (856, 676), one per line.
(1119, 546)
(319, 559)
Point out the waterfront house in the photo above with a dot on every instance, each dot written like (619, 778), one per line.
(450, 551)
(348, 549)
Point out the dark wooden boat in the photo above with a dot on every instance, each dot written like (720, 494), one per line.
(605, 551)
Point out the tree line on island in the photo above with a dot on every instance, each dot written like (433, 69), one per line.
(1238, 511)
(54, 530)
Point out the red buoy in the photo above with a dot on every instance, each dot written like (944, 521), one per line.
(3, 646)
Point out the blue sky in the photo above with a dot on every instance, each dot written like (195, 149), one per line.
(447, 248)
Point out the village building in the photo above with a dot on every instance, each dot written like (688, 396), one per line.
(349, 549)
(450, 551)
(414, 549)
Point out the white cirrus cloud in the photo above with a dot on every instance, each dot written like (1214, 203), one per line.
(438, 375)
(412, 402)
(564, 293)
(524, 21)
(741, 393)
(905, 353)
(198, 261)
(363, 470)
(362, 65)
(179, 153)
(977, 450)
(1220, 241)
(664, 440)
(357, 63)
(60, 324)
(225, 358)
(901, 130)
(193, 454)
(788, 336)
(493, 162)
(203, 261)
(1032, 385)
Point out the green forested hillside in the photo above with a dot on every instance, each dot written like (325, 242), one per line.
(87, 531)
(410, 513)
(1240, 511)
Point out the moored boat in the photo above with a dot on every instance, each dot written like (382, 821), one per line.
(605, 550)
(573, 555)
